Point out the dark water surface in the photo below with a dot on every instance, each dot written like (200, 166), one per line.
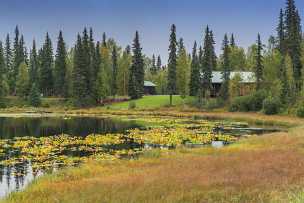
(49, 126)
(18, 176)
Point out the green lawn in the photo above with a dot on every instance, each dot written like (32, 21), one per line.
(152, 102)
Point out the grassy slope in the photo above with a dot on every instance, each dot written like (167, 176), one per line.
(150, 102)
(260, 169)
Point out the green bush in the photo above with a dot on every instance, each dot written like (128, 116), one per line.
(271, 106)
(132, 105)
(253, 102)
(300, 111)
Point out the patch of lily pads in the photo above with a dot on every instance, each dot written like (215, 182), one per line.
(67, 150)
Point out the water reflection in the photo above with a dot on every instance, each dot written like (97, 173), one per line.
(38, 127)
(15, 177)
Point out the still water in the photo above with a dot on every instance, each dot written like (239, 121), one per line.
(18, 176)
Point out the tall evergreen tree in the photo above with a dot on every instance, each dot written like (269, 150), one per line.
(60, 68)
(225, 69)
(195, 73)
(114, 71)
(79, 81)
(8, 54)
(293, 41)
(259, 64)
(17, 60)
(34, 96)
(46, 68)
(153, 67)
(172, 63)
(208, 63)
(284, 82)
(104, 40)
(281, 33)
(136, 77)
(159, 63)
(232, 40)
(34, 66)
(96, 61)
(86, 62)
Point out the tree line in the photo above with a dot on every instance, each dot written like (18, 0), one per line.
(93, 70)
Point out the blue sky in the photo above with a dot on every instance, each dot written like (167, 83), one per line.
(152, 18)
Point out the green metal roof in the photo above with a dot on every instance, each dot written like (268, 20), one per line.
(149, 84)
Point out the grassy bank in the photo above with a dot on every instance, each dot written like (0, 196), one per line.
(151, 102)
(258, 169)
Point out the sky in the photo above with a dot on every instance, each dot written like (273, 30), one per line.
(152, 18)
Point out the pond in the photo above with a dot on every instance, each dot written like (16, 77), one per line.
(33, 146)
(16, 176)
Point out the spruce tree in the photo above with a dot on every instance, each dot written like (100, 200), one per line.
(225, 69)
(2, 61)
(86, 65)
(159, 63)
(232, 41)
(136, 77)
(79, 81)
(172, 62)
(293, 41)
(281, 33)
(46, 69)
(194, 85)
(208, 63)
(34, 66)
(17, 60)
(60, 67)
(259, 64)
(153, 67)
(285, 91)
(104, 40)
(34, 96)
(114, 71)
(8, 55)
(96, 61)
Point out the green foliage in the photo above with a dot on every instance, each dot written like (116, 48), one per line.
(172, 63)
(271, 106)
(259, 68)
(132, 105)
(195, 84)
(300, 111)
(34, 97)
(224, 92)
(208, 62)
(136, 73)
(60, 67)
(46, 67)
(253, 102)
(22, 80)
(235, 86)
(182, 71)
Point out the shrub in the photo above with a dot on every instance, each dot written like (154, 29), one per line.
(300, 111)
(132, 105)
(253, 102)
(240, 104)
(271, 106)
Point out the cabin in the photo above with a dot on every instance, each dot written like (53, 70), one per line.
(247, 82)
(149, 88)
